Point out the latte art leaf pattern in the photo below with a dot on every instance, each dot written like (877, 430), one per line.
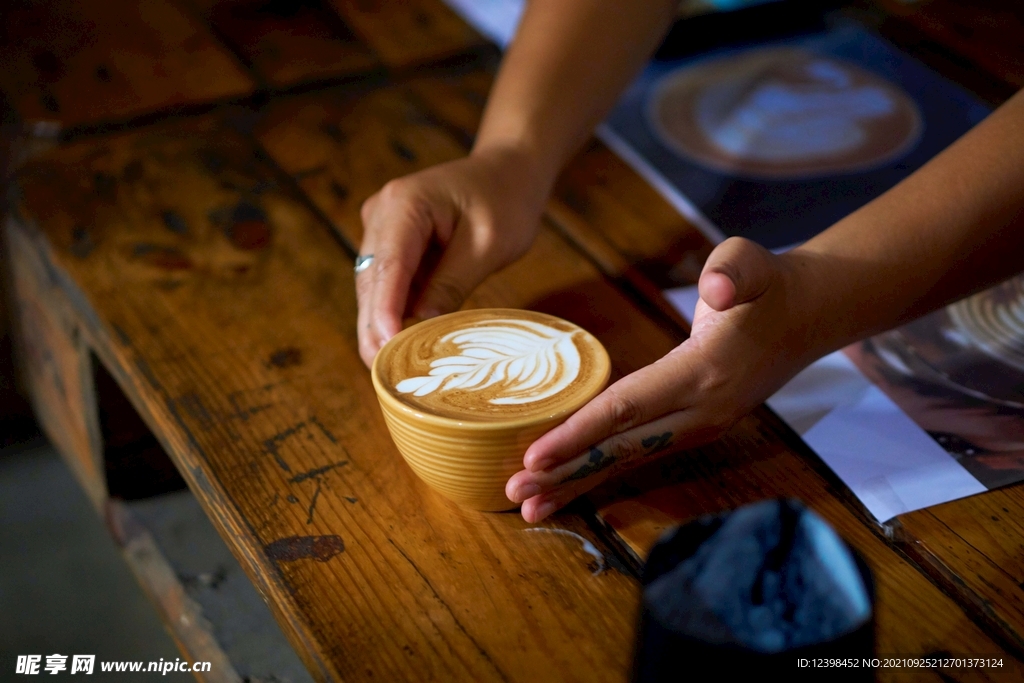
(526, 361)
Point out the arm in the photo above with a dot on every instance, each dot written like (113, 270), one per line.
(564, 70)
(952, 228)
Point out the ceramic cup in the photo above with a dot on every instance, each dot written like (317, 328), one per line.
(465, 394)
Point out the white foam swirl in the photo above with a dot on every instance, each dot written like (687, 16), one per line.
(530, 361)
(780, 122)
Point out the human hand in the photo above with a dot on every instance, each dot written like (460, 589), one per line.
(750, 334)
(436, 234)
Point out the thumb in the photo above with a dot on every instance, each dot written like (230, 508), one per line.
(737, 271)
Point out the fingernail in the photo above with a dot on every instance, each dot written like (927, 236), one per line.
(536, 465)
(525, 492)
(543, 510)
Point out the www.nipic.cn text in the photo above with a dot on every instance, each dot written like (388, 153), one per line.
(30, 665)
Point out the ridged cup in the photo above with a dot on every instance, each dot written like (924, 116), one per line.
(469, 461)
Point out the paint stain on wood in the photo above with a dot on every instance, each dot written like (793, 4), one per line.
(49, 102)
(249, 235)
(105, 185)
(292, 548)
(211, 160)
(323, 430)
(245, 412)
(339, 190)
(285, 358)
(48, 66)
(334, 132)
(121, 335)
(312, 503)
(248, 229)
(263, 186)
(272, 445)
(174, 222)
(82, 242)
(402, 151)
(132, 172)
(193, 405)
(310, 172)
(315, 473)
(165, 258)
(422, 19)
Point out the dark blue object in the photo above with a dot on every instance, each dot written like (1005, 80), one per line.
(756, 590)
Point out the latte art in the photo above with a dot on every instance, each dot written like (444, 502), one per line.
(493, 364)
(530, 361)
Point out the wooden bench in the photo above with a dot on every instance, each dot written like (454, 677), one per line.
(195, 271)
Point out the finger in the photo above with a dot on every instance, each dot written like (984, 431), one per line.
(467, 260)
(676, 429)
(544, 492)
(397, 227)
(737, 271)
(640, 397)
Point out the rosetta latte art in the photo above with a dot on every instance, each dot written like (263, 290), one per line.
(529, 361)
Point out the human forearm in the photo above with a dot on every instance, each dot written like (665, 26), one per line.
(954, 227)
(566, 67)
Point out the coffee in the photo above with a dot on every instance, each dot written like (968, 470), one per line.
(496, 364)
(783, 113)
(464, 395)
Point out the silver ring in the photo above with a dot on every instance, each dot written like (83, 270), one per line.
(363, 262)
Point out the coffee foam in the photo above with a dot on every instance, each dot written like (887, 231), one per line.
(497, 364)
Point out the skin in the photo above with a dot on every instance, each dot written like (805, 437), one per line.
(953, 228)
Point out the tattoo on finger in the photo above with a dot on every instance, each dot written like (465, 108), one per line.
(656, 443)
(597, 461)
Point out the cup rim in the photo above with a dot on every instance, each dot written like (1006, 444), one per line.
(385, 396)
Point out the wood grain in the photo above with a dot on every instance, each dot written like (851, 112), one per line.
(232, 332)
(78, 63)
(974, 549)
(56, 366)
(288, 43)
(409, 32)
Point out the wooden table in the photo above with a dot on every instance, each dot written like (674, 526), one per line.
(196, 243)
